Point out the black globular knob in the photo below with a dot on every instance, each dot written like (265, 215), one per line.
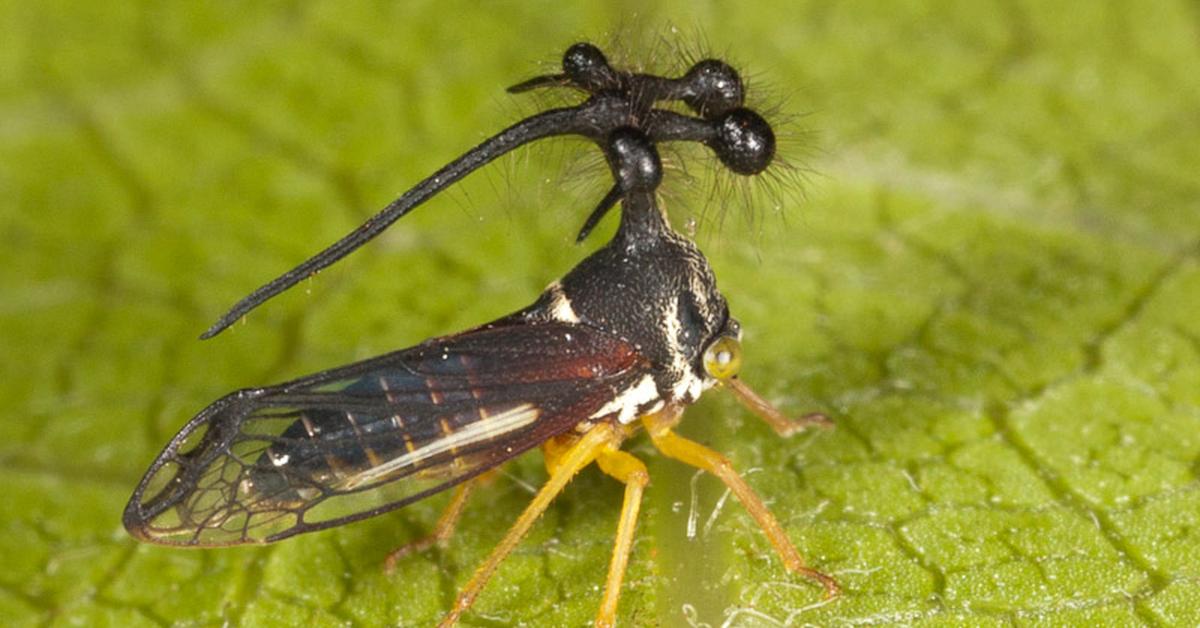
(744, 141)
(634, 160)
(636, 171)
(713, 88)
(587, 67)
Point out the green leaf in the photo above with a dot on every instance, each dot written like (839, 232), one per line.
(991, 285)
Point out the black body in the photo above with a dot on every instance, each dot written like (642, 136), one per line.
(620, 335)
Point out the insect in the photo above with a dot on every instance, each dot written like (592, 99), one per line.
(623, 342)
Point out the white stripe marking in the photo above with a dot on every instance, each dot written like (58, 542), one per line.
(560, 305)
(495, 425)
(626, 404)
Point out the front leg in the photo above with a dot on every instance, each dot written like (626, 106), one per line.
(692, 453)
(782, 424)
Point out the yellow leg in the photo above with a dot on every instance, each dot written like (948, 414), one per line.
(578, 456)
(783, 425)
(632, 472)
(555, 449)
(442, 530)
(690, 452)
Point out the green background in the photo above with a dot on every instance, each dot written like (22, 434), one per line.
(985, 265)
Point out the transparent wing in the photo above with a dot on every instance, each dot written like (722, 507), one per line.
(263, 464)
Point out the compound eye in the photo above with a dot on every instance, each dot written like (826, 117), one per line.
(723, 358)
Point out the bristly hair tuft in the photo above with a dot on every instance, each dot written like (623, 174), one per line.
(671, 51)
(771, 193)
